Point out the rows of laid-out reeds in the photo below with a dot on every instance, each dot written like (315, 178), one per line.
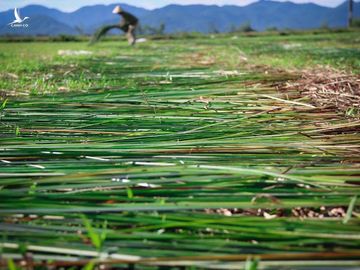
(187, 167)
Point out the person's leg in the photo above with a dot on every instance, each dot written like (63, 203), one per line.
(131, 34)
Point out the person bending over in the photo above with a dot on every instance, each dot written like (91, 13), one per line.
(128, 24)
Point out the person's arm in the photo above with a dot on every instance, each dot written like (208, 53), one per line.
(122, 22)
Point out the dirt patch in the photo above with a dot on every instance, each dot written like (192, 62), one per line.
(298, 212)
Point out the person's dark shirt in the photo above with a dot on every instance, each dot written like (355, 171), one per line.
(128, 18)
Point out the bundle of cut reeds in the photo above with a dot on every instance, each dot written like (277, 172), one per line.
(102, 32)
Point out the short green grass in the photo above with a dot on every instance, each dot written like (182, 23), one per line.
(39, 69)
(176, 153)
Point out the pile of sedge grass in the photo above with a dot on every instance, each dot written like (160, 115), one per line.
(137, 174)
(330, 88)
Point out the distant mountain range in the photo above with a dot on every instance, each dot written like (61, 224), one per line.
(177, 18)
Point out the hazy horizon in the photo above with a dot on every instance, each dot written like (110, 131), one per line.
(72, 6)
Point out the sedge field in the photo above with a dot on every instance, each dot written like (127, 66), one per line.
(192, 152)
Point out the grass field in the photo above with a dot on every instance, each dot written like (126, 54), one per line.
(182, 153)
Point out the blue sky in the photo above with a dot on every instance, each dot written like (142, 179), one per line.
(70, 5)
